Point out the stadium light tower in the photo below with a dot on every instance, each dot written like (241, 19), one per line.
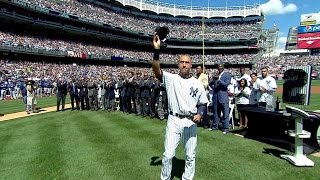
(203, 42)
(174, 8)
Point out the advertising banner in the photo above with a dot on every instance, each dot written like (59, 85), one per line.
(309, 29)
(305, 23)
(309, 40)
(310, 19)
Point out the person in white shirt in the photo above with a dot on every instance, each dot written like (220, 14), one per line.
(231, 89)
(268, 86)
(204, 79)
(242, 95)
(255, 89)
(244, 76)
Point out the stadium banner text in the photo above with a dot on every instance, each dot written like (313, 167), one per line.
(310, 19)
(81, 55)
(309, 40)
(309, 29)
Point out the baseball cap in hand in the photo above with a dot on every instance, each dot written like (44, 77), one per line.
(162, 32)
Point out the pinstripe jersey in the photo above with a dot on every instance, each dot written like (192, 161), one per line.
(183, 94)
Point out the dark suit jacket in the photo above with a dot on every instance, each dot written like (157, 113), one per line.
(122, 88)
(146, 88)
(129, 89)
(73, 92)
(83, 90)
(137, 88)
(155, 91)
(62, 88)
(110, 90)
(220, 88)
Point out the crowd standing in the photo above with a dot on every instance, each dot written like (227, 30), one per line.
(34, 41)
(133, 22)
(276, 64)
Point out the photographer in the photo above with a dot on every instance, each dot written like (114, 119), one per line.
(31, 100)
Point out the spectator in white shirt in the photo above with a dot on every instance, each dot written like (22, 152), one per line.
(242, 94)
(231, 88)
(244, 76)
(268, 86)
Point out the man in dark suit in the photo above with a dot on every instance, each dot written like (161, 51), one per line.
(220, 100)
(61, 93)
(91, 94)
(122, 90)
(83, 93)
(146, 95)
(136, 95)
(110, 94)
(129, 92)
(74, 95)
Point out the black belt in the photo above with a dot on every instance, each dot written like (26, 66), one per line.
(181, 116)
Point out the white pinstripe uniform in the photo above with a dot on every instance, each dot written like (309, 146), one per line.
(183, 97)
(269, 83)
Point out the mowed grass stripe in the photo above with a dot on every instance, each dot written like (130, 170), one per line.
(49, 161)
(229, 155)
(88, 146)
(245, 159)
(21, 151)
(115, 148)
(144, 129)
(12, 106)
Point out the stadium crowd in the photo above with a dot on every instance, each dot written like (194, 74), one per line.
(47, 74)
(278, 64)
(41, 42)
(94, 87)
(133, 22)
(90, 87)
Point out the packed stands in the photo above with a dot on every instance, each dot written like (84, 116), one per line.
(132, 22)
(26, 40)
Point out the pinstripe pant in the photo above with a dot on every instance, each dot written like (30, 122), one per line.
(185, 130)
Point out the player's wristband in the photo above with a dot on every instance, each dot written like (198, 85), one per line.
(156, 54)
(201, 109)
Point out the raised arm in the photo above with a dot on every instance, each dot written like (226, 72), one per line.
(156, 61)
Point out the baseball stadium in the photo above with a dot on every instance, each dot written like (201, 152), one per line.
(82, 98)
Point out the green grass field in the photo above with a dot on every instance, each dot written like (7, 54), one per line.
(102, 145)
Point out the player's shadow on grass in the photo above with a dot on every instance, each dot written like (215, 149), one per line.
(274, 152)
(39, 109)
(177, 166)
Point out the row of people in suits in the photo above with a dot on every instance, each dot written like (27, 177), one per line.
(140, 95)
(84, 95)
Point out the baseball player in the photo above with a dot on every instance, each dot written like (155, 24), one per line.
(187, 101)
